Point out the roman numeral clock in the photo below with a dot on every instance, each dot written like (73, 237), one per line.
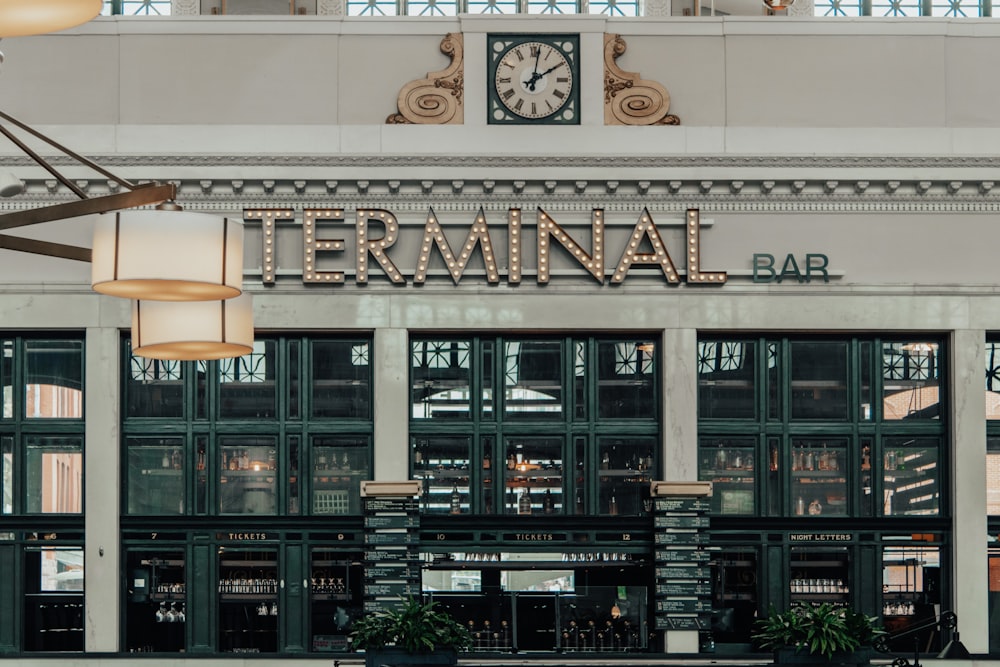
(533, 79)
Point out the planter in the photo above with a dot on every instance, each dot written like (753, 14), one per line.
(789, 655)
(396, 657)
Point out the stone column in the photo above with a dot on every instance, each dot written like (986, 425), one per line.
(102, 484)
(968, 488)
(390, 377)
(680, 405)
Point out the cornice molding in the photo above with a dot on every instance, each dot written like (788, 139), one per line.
(727, 195)
(366, 160)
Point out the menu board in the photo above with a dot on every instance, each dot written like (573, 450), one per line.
(392, 555)
(682, 576)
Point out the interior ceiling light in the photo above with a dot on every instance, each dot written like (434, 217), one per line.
(167, 255)
(193, 330)
(35, 17)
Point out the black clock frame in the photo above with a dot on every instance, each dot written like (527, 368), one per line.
(497, 45)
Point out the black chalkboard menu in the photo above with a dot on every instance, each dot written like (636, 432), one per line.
(392, 548)
(683, 576)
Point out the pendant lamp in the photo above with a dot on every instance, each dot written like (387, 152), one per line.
(193, 330)
(167, 255)
(36, 17)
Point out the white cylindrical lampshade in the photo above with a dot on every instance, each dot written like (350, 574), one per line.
(193, 330)
(36, 17)
(167, 255)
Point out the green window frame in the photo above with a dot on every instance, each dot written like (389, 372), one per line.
(234, 437)
(535, 424)
(41, 424)
(823, 426)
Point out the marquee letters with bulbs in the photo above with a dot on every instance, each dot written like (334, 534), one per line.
(644, 247)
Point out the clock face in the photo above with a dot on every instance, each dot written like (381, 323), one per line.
(534, 79)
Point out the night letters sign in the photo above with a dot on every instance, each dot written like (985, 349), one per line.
(644, 246)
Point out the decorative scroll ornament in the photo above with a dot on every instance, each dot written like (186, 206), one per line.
(436, 100)
(629, 100)
(185, 7)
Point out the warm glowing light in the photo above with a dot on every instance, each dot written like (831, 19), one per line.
(193, 330)
(167, 255)
(36, 17)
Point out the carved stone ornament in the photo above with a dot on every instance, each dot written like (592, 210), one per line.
(331, 7)
(436, 100)
(629, 100)
(185, 7)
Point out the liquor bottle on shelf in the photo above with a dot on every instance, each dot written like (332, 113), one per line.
(773, 458)
(524, 502)
(175, 459)
(606, 462)
(165, 461)
(548, 503)
(579, 502)
(613, 506)
(201, 459)
(511, 461)
(487, 463)
(800, 506)
(456, 500)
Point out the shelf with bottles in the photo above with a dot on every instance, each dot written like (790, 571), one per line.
(722, 461)
(329, 581)
(247, 579)
(525, 502)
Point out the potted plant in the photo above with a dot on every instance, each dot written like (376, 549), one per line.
(823, 634)
(414, 633)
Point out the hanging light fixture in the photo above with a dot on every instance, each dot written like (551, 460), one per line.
(167, 255)
(193, 330)
(35, 17)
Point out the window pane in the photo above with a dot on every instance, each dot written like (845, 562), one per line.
(910, 371)
(371, 8)
(246, 384)
(294, 502)
(910, 474)
(7, 379)
(819, 381)
(625, 386)
(625, 471)
(155, 476)
(155, 388)
(53, 384)
(993, 380)
(534, 476)
(442, 464)
(726, 388)
(910, 592)
(492, 6)
(730, 463)
(341, 377)
(340, 464)
(431, 8)
(533, 385)
(865, 412)
(248, 475)
(580, 380)
(7, 474)
(487, 374)
(819, 477)
(993, 476)
(294, 382)
(441, 372)
(54, 470)
(552, 7)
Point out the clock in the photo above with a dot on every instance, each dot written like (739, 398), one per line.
(534, 79)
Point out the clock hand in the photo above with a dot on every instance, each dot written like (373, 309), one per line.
(549, 70)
